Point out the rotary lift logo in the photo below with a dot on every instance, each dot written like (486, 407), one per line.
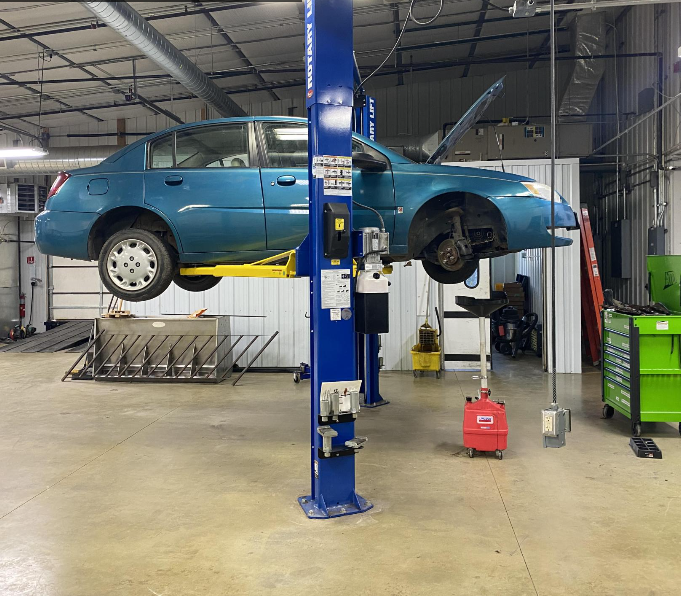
(308, 25)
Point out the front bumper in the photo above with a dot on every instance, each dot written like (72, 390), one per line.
(60, 233)
(528, 219)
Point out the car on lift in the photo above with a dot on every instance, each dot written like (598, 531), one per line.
(235, 190)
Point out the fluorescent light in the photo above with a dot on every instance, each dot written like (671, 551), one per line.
(22, 152)
(291, 133)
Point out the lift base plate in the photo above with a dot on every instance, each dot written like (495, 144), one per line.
(321, 511)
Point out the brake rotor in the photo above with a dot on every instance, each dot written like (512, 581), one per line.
(448, 255)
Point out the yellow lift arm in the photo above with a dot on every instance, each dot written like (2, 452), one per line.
(261, 268)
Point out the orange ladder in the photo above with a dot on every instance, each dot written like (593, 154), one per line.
(592, 290)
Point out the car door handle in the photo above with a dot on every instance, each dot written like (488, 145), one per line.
(286, 180)
(173, 180)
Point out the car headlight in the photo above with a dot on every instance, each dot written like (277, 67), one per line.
(541, 190)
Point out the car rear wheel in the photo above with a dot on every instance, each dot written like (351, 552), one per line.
(196, 283)
(442, 275)
(136, 265)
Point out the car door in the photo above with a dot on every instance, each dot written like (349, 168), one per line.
(285, 185)
(206, 182)
(286, 188)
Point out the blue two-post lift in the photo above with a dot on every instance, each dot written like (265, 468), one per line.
(368, 345)
(333, 348)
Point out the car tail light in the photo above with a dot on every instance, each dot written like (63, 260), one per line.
(58, 182)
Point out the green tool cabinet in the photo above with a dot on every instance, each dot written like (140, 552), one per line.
(641, 368)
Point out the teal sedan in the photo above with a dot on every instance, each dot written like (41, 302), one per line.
(236, 191)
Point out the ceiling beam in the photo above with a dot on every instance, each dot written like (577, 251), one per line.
(154, 109)
(478, 29)
(31, 89)
(206, 13)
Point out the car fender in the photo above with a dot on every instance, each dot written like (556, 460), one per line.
(417, 186)
(146, 208)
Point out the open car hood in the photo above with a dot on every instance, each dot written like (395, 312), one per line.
(470, 118)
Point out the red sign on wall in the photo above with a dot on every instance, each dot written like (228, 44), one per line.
(30, 260)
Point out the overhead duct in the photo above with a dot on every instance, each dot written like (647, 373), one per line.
(58, 159)
(124, 19)
(589, 40)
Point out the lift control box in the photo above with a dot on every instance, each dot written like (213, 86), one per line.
(337, 228)
(371, 301)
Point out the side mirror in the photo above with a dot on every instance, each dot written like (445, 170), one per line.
(365, 162)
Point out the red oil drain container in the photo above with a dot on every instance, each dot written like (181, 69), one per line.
(484, 425)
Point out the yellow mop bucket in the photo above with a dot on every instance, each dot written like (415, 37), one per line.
(425, 356)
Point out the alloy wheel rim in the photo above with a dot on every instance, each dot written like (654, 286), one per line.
(132, 265)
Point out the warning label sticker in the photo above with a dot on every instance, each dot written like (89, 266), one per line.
(336, 288)
(336, 171)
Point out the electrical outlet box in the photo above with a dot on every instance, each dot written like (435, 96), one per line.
(549, 422)
(556, 422)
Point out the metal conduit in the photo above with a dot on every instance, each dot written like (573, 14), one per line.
(124, 19)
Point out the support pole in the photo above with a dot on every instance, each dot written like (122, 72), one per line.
(329, 84)
(483, 355)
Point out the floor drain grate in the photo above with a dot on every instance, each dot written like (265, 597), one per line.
(645, 448)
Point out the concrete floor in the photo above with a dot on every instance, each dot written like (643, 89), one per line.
(175, 489)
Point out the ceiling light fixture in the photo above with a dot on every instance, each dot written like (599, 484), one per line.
(22, 152)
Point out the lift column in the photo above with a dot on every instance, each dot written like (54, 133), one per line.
(369, 344)
(334, 390)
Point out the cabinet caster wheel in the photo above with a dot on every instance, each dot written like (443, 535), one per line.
(608, 411)
(679, 428)
(636, 429)
(416, 374)
(471, 453)
(437, 374)
(296, 377)
(499, 454)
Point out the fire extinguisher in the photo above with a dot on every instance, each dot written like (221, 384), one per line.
(22, 306)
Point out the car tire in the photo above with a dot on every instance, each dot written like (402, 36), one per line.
(442, 275)
(196, 283)
(148, 270)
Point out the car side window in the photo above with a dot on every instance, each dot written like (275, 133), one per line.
(161, 152)
(286, 144)
(214, 146)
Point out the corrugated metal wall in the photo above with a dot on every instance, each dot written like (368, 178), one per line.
(654, 28)
(417, 108)
(421, 108)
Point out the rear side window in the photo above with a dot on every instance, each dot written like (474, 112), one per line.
(161, 152)
(286, 144)
(215, 146)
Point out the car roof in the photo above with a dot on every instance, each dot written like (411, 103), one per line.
(394, 157)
